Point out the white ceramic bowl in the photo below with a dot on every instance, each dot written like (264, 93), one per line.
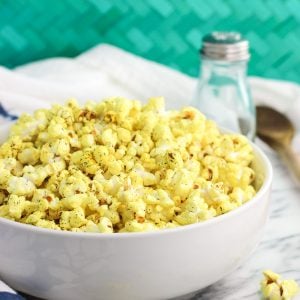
(157, 265)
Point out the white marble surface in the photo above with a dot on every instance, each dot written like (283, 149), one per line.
(279, 249)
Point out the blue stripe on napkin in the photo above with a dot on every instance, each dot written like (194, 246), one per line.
(10, 296)
(4, 113)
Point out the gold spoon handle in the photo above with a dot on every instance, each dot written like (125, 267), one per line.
(291, 159)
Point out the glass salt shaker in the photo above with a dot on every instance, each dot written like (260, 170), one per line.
(222, 93)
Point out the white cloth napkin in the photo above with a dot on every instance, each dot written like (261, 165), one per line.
(109, 71)
(6, 293)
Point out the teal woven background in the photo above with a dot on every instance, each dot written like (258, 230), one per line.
(167, 31)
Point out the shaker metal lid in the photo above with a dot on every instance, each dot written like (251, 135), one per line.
(228, 46)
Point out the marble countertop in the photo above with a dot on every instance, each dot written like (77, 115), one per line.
(279, 249)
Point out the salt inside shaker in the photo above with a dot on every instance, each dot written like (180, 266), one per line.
(222, 93)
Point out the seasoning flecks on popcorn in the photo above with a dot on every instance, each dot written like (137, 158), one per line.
(121, 166)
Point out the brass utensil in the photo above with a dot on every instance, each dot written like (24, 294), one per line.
(277, 131)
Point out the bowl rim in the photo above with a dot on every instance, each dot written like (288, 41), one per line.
(210, 222)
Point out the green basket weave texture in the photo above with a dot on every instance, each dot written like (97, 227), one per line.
(166, 31)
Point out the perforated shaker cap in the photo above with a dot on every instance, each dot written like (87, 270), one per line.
(226, 46)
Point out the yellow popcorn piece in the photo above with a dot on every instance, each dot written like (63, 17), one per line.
(57, 130)
(105, 225)
(16, 206)
(20, 186)
(29, 156)
(35, 217)
(37, 174)
(87, 140)
(274, 288)
(121, 166)
(77, 217)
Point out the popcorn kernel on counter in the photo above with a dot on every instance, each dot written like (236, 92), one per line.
(120, 166)
(274, 288)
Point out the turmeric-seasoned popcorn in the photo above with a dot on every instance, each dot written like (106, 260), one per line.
(275, 288)
(120, 166)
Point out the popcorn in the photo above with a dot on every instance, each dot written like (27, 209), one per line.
(20, 186)
(16, 205)
(29, 156)
(120, 166)
(77, 217)
(105, 225)
(274, 288)
(87, 140)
